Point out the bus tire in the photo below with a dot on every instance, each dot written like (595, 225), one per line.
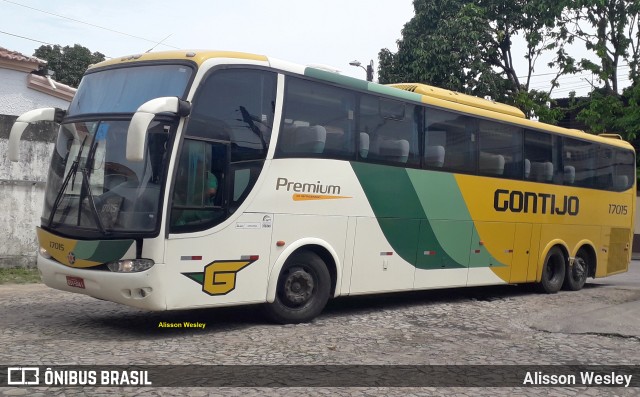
(576, 275)
(303, 289)
(553, 271)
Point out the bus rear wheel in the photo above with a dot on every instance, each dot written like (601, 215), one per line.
(303, 289)
(576, 275)
(553, 272)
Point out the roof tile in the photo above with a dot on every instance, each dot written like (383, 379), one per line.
(16, 56)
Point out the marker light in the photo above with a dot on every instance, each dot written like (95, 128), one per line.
(130, 265)
(44, 253)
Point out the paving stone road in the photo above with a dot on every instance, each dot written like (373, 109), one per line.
(506, 325)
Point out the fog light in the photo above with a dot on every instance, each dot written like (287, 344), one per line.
(44, 253)
(130, 265)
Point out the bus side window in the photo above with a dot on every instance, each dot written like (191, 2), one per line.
(237, 106)
(541, 150)
(500, 149)
(456, 134)
(624, 172)
(604, 170)
(579, 162)
(198, 193)
(391, 130)
(434, 151)
(318, 121)
(242, 176)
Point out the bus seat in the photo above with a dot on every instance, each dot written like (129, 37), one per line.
(620, 182)
(394, 150)
(335, 140)
(286, 137)
(541, 171)
(491, 163)
(309, 139)
(527, 168)
(364, 145)
(434, 156)
(569, 175)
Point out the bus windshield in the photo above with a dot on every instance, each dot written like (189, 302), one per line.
(123, 90)
(91, 185)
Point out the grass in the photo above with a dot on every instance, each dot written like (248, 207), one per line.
(19, 276)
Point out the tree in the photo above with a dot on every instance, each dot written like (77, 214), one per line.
(610, 30)
(604, 112)
(68, 63)
(467, 46)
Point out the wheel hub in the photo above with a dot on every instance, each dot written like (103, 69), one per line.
(298, 286)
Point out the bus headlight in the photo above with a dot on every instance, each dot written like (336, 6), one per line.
(130, 265)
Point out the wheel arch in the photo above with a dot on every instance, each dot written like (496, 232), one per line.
(318, 247)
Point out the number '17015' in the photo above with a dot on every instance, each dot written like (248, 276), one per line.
(618, 209)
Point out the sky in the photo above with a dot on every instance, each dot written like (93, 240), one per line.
(307, 32)
(327, 32)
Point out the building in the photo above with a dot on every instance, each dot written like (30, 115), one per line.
(24, 86)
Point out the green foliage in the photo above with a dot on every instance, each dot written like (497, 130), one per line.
(610, 30)
(68, 63)
(608, 113)
(629, 123)
(601, 113)
(538, 104)
(467, 47)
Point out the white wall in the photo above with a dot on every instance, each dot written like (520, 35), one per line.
(22, 187)
(22, 184)
(16, 98)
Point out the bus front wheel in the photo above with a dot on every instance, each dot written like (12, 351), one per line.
(303, 289)
(553, 272)
(576, 275)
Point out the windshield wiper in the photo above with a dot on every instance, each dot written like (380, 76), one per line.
(71, 174)
(86, 185)
(92, 203)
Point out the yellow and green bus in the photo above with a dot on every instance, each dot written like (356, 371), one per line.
(192, 179)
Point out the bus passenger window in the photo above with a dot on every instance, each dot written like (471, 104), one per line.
(579, 162)
(389, 131)
(318, 121)
(500, 149)
(540, 151)
(450, 141)
(604, 170)
(625, 170)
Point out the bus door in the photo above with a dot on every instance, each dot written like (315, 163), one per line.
(215, 255)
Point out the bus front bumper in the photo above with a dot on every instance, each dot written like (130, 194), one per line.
(142, 290)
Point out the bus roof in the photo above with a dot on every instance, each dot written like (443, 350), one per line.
(405, 91)
(458, 97)
(197, 56)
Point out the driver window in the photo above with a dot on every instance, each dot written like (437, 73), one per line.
(198, 190)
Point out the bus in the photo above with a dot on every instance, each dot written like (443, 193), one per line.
(196, 179)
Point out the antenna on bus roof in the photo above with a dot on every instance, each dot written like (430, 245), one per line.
(160, 42)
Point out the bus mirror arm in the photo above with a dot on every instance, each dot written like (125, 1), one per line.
(30, 117)
(137, 132)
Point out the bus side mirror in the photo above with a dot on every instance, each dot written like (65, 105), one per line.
(43, 114)
(137, 132)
